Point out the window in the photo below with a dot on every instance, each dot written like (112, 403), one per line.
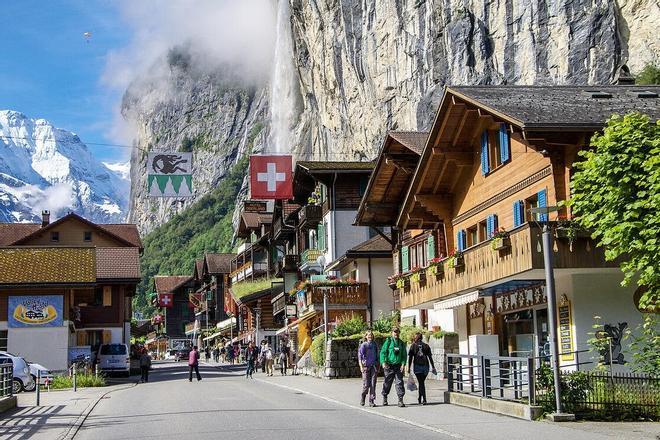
(55, 236)
(421, 254)
(495, 148)
(538, 200)
(87, 236)
(482, 228)
(98, 296)
(472, 237)
(3, 340)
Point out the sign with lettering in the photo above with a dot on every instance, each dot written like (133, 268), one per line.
(36, 311)
(565, 329)
(169, 174)
(255, 206)
(520, 299)
(291, 311)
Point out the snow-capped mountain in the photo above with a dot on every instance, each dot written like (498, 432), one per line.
(44, 167)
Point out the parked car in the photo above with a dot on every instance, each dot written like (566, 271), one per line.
(182, 355)
(114, 358)
(22, 379)
(170, 355)
(46, 375)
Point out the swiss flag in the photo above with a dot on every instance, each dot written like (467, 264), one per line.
(271, 177)
(165, 300)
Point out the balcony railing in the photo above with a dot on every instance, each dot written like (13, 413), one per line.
(483, 265)
(310, 256)
(247, 270)
(309, 216)
(280, 231)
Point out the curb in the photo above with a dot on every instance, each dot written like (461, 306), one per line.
(370, 411)
(75, 426)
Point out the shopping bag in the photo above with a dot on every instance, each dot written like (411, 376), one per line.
(411, 385)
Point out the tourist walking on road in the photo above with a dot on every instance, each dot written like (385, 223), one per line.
(368, 359)
(207, 354)
(193, 364)
(283, 358)
(393, 360)
(251, 354)
(268, 355)
(419, 357)
(145, 364)
(216, 354)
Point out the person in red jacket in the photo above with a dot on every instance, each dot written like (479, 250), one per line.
(193, 364)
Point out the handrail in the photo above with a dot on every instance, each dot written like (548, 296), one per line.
(6, 380)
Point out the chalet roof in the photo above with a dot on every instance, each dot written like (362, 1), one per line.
(118, 263)
(219, 263)
(169, 283)
(562, 106)
(45, 265)
(396, 162)
(17, 233)
(199, 269)
(330, 166)
(253, 220)
(375, 247)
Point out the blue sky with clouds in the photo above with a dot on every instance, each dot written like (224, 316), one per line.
(49, 70)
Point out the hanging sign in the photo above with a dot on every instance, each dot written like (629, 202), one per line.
(255, 206)
(36, 311)
(169, 174)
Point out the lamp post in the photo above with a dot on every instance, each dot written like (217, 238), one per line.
(558, 415)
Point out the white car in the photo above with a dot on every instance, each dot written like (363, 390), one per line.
(45, 378)
(22, 379)
(114, 358)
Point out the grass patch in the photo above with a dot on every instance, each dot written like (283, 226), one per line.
(248, 287)
(83, 380)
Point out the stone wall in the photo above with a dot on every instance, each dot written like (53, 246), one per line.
(439, 347)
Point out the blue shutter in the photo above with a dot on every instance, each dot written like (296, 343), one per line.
(542, 203)
(404, 259)
(459, 241)
(518, 213)
(430, 247)
(505, 149)
(485, 165)
(489, 227)
(494, 224)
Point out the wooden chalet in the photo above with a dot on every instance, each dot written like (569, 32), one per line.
(177, 320)
(66, 287)
(492, 154)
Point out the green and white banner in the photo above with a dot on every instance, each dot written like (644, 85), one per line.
(169, 174)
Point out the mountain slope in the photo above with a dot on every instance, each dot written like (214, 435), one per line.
(44, 167)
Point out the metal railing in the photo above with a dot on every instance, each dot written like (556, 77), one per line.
(496, 377)
(6, 379)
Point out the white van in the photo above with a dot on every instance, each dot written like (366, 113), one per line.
(114, 357)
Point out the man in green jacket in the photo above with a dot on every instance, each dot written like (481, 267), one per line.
(393, 360)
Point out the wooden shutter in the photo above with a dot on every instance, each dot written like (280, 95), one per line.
(485, 162)
(505, 148)
(430, 247)
(320, 232)
(542, 203)
(107, 336)
(81, 338)
(107, 296)
(518, 213)
(405, 263)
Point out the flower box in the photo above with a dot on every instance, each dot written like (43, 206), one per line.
(456, 262)
(436, 270)
(500, 243)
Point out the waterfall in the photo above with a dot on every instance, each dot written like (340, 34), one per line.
(283, 83)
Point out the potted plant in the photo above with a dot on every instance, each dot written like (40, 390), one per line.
(436, 268)
(455, 260)
(391, 281)
(500, 240)
(418, 275)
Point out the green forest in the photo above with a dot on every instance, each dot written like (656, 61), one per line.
(206, 226)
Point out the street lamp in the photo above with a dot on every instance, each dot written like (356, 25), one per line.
(558, 415)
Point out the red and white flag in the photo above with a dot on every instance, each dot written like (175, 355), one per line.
(271, 177)
(165, 300)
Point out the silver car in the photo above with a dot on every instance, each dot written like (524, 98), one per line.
(22, 378)
(45, 375)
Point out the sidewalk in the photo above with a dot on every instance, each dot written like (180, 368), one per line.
(57, 417)
(460, 422)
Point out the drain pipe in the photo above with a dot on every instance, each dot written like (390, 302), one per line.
(334, 219)
(371, 303)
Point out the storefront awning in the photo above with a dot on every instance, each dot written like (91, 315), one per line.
(460, 300)
(213, 336)
(222, 325)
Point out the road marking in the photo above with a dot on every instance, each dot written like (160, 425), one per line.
(387, 416)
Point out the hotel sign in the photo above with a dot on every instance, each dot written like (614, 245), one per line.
(36, 311)
(254, 206)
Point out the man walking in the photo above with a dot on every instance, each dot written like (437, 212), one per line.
(193, 364)
(145, 364)
(393, 359)
(251, 357)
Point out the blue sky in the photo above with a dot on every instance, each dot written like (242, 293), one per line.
(48, 69)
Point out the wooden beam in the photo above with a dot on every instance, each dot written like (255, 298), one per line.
(461, 124)
(385, 237)
(439, 206)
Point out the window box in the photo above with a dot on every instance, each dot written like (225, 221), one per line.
(436, 269)
(501, 243)
(456, 261)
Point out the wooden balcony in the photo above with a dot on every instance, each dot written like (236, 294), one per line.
(248, 271)
(309, 216)
(339, 297)
(309, 260)
(484, 266)
(281, 232)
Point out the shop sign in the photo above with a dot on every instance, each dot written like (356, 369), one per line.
(254, 206)
(300, 300)
(81, 353)
(291, 311)
(36, 311)
(520, 299)
(565, 329)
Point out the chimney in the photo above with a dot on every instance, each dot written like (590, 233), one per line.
(623, 77)
(45, 218)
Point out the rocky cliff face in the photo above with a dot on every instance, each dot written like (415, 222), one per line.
(361, 67)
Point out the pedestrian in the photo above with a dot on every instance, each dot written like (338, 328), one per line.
(237, 352)
(216, 354)
(262, 355)
(251, 354)
(393, 360)
(145, 365)
(287, 355)
(294, 362)
(283, 359)
(207, 354)
(193, 364)
(419, 357)
(268, 356)
(369, 364)
(223, 354)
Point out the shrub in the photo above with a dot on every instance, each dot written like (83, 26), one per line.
(318, 350)
(384, 324)
(408, 332)
(82, 380)
(350, 326)
(441, 334)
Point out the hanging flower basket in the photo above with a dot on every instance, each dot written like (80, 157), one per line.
(500, 240)
(455, 260)
(436, 268)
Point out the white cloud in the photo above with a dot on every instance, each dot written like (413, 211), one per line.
(58, 199)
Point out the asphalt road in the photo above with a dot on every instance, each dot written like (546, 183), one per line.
(225, 403)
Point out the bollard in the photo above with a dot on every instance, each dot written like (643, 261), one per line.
(38, 386)
(96, 370)
(75, 387)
